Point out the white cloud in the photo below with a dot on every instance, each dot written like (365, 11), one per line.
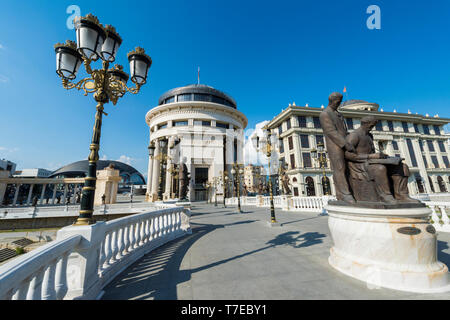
(104, 157)
(1, 46)
(3, 79)
(125, 159)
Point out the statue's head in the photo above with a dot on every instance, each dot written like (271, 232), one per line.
(335, 99)
(369, 122)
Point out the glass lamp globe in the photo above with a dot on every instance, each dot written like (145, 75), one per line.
(90, 36)
(139, 65)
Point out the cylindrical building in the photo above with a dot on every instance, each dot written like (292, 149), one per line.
(203, 129)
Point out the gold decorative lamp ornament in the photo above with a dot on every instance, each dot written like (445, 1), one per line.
(95, 42)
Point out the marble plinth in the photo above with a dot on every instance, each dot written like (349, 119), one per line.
(391, 248)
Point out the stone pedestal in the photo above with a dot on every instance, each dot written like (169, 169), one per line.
(107, 184)
(286, 202)
(259, 201)
(391, 248)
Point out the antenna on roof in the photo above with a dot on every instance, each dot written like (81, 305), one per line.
(198, 76)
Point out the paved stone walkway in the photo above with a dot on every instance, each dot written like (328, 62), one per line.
(237, 256)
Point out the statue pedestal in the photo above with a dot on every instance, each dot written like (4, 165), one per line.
(286, 202)
(391, 248)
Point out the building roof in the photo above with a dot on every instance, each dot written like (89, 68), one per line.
(203, 91)
(80, 168)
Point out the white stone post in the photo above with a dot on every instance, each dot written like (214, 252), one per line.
(82, 266)
(155, 175)
(148, 195)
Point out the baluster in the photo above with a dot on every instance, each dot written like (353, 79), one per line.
(444, 217)
(126, 238)
(138, 234)
(34, 292)
(160, 226)
(102, 255)
(114, 247)
(107, 250)
(434, 215)
(61, 277)
(152, 229)
(146, 231)
(48, 284)
(121, 243)
(21, 293)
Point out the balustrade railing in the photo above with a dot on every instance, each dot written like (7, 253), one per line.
(440, 215)
(82, 260)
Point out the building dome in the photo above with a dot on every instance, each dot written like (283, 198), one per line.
(197, 92)
(359, 105)
(80, 169)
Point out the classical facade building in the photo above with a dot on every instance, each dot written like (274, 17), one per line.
(253, 176)
(199, 126)
(419, 139)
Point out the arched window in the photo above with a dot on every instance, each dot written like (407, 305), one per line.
(326, 187)
(310, 190)
(431, 184)
(419, 183)
(441, 184)
(294, 180)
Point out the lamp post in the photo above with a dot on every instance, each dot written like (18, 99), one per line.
(94, 42)
(224, 179)
(173, 171)
(207, 186)
(162, 158)
(265, 145)
(320, 155)
(215, 183)
(237, 172)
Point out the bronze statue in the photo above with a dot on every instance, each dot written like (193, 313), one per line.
(286, 182)
(371, 173)
(335, 131)
(184, 179)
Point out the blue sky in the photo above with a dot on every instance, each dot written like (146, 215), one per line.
(264, 54)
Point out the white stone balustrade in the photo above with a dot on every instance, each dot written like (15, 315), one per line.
(440, 223)
(306, 204)
(84, 259)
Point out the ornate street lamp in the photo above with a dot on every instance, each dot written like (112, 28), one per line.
(224, 180)
(215, 183)
(266, 145)
(320, 155)
(161, 157)
(97, 42)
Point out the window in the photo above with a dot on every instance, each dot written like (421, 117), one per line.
(445, 159)
(281, 144)
(426, 130)
(169, 100)
(292, 161)
(379, 125)
(222, 125)
(405, 127)
(185, 97)
(441, 146)
(306, 160)
(437, 130)
(441, 184)
(421, 145)
(419, 183)
(349, 123)
(217, 100)
(425, 162)
(201, 97)
(411, 153)
(319, 138)
(291, 143)
(180, 123)
(162, 126)
(280, 130)
(304, 141)
(288, 124)
(435, 161)
(416, 128)
(316, 121)
(390, 125)
(302, 121)
(395, 145)
(430, 145)
(431, 184)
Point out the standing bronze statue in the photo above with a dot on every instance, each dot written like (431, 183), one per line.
(375, 177)
(335, 131)
(184, 179)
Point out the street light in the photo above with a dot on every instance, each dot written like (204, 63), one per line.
(320, 155)
(215, 183)
(97, 42)
(237, 172)
(224, 179)
(162, 158)
(266, 145)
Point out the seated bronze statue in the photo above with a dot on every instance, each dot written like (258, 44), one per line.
(375, 177)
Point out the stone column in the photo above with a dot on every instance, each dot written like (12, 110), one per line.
(16, 194)
(168, 188)
(422, 169)
(41, 201)
(148, 194)
(3, 174)
(30, 193)
(156, 173)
